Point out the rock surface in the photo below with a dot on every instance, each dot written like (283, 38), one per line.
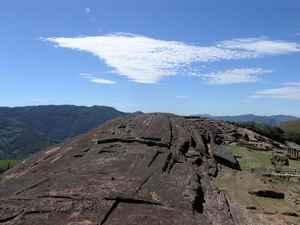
(225, 157)
(145, 170)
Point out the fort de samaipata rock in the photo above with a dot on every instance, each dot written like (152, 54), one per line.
(146, 169)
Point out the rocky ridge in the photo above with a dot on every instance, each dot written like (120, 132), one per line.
(145, 169)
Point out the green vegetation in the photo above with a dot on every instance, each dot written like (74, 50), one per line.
(7, 164)
(237, 185)
(291, 126)
(292, 130)
(272, 121)
(253, 159)
(17, 140)
(287, 131)
(26, 130)
(246, 182)
(274, 133)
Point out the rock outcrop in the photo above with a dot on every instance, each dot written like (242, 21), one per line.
(145, 170)
(226, 157)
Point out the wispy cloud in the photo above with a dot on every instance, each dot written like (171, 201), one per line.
(261, 46)
(298, 34)
(102, 81)
(184, 97)
(147, 60)
(292, 84)
(87, 10)
(235, 76)
(94, 79)
(289, 91)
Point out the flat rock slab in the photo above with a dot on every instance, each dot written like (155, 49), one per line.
(146, 169)
(226, 157)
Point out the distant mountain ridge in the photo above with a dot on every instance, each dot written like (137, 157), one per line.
(274, 120)
(25, 130)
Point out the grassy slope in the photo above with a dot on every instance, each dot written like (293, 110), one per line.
(291, 126)
(251, 159)
(238, 183)
(292, 129)
(4, 164)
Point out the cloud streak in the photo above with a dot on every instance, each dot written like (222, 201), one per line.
(235, 76)
(147, 60)
(261, 46)
(182, 97)
(290, 91)
(92, 78)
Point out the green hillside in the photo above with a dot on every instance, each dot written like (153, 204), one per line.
(292, 130)
(26, 130)
(7, 164)
(272, 132)
(291, 126)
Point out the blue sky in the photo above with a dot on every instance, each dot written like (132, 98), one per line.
(186, 57)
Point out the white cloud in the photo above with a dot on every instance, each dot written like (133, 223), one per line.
(235, 76)
(102, 81)
(298, 34)
(261, 46)
(87, 10)
(289, 91)
(147, 60)
(94, 79)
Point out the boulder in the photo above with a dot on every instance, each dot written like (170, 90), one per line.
(279, 160)
(225, 157)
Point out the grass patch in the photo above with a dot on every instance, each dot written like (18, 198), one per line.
(294, 164)
(252, 159)
(5, 164)
(237, 184)
(291, 126)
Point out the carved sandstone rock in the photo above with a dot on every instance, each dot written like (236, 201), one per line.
(145, 170)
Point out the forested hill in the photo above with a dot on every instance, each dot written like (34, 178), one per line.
(25, 130)
(292, 128)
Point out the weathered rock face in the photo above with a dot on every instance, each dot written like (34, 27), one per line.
(144, 170)
(226, 157)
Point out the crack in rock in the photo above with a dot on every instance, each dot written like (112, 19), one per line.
(132, 140)
(32, 186)
(154, 157)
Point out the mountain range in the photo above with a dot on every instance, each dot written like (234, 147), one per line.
(26, 130)
(274, 120)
